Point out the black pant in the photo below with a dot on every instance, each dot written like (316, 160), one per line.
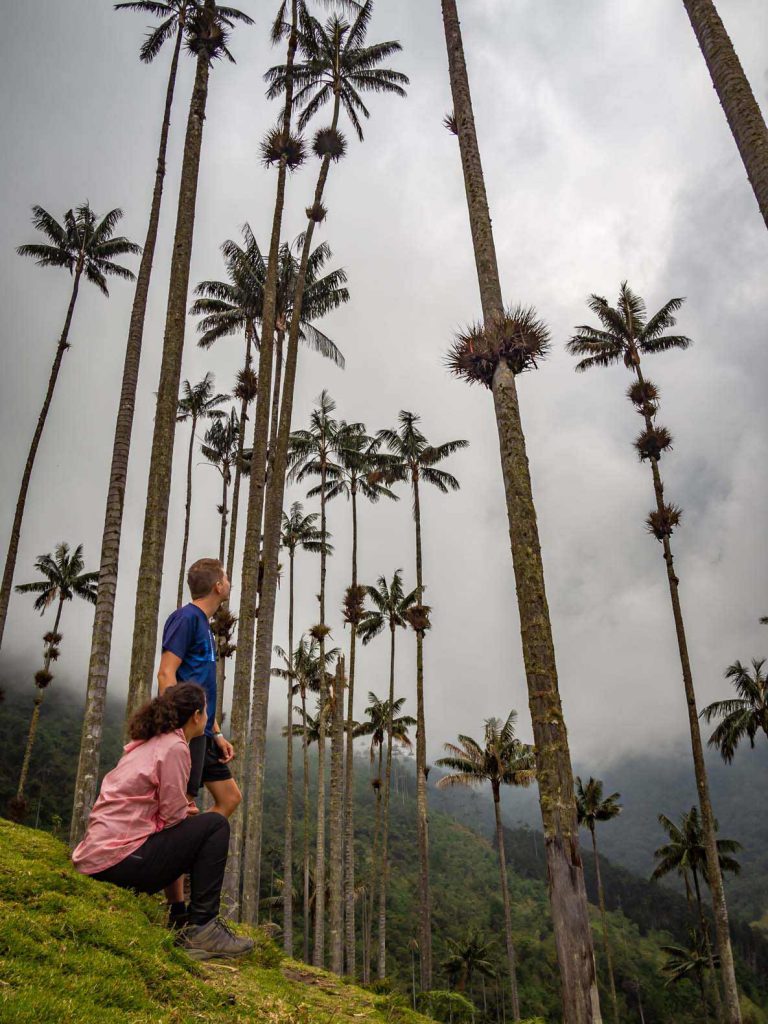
(197, 846)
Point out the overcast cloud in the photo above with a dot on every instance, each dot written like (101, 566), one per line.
(607, 157)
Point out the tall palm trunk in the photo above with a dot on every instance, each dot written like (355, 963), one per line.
(606, 941)
(370, 897)
(275, 422)
(224, 511)
(336, 826)
(384, 873)
(101, 642)
(161, 461)
(253, 767)
(187, 516)
(714, 875)
(271, 550)
(568, 896)
(511, 956)
(24, 773)
(21, 500)
(425, 900)
(318, 952)
(736, 97)
(349, 774)
(708, 950)
(288, 854)
(305, 822)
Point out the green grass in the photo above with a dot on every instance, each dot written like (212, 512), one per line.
(79, 951)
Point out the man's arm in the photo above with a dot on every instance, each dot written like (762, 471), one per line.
(166, 674)
(226, 749)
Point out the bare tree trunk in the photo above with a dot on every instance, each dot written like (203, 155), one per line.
(375, 861)
(271, 549)
(252, 761)
(23, 774)
(187, 515)
(708, 950)
(349, 780)
(224, 511)
(568, 896)
(384, 873)
(288, 852)
(318, 953)
(511, 956)
(422, 822)
(305, 859)
(161, 462)
(736, 97)
(714, 874)
(101, 643)
(279, 338)
(336, 826)
(606, 941)
(13, 544)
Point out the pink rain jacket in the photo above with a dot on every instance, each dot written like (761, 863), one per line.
(145, 793)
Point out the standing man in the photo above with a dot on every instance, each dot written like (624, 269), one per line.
(189, 656)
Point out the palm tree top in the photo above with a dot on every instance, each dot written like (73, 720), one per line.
(377, 726)
(63, 578)
(416, 458)
(177, 15)
(359, 467)
(299, 531)
(625, 331)
(743, 715)
(337, 62)
(592, 806)
(220, 445)
(391, 604)
(200, 401)
(502, 759)
(83, 241)
(685, 850)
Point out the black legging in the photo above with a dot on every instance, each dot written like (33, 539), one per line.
(197, 845)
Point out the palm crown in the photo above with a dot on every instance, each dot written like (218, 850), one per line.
(743, 715)
(502, 759)
(311, 451)
(415, 458)
(592, 806)
(685, 852)
(200, 401)
(470, 955)
(63, 578)
(83, 243)
(391, 605)
(299, 531)
(377, 726)
(625, 332)
(338, 65)
(358, 467)
(221, 444)
(228, 307)
(306, 665)
(185, 16)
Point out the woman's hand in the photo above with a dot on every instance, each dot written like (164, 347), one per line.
(192, 809)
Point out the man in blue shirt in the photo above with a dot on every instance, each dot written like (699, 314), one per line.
(189, 656)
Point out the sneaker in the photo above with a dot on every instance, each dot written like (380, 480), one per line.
(178, 922)
(214, 939)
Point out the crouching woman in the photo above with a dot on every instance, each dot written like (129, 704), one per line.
(143, 833)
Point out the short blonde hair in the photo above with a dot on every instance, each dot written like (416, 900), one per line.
(203, 575)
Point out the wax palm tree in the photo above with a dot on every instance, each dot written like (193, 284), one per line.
(468, 956)
(391, 606)
(508, 354)
(741, 716)
(415, 461)
(358, 469)
(689, 963)
(207, 34)
(502, 760)
(85, 245)
(62, 580)
(196, 402)
(299, 533)
(591, 807)
(736, 97)
(220, 448)
(626, 334)
(340, 66)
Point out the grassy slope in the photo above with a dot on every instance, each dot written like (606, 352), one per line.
(74, 950)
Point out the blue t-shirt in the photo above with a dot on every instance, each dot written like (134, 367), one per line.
(187, 634)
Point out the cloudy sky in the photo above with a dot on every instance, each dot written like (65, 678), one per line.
(607, 157)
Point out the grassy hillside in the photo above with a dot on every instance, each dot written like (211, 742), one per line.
(74, 950)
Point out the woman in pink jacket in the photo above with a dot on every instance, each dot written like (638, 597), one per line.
(143, 833)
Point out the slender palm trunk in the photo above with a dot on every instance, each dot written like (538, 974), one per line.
(101, 642)
(349, 776)
(722, 931)
(318, 952)
(240, 861)
(425, 901)
(703, 925)
(384, 873)
(288, 853)
(224, 511)
(24, 773)
(606, 941)
(161, 461)
(275, 422)
(305, 858)
(511, 956)
(736, 97)
(21, 500)
(187, 516)
(573, 937)
(336, 826)
(370, 896)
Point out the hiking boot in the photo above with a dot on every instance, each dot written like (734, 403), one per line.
(214, 939)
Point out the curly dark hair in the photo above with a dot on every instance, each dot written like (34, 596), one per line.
(171, 710)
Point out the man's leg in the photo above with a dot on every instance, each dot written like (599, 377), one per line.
(226, 795)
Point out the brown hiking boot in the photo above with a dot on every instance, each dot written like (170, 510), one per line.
(214, 939)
